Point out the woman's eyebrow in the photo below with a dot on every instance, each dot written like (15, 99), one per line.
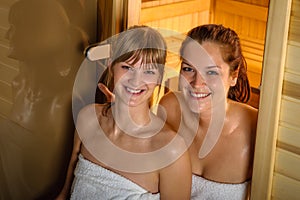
(127, 64)
(213, 66)
(185, 62)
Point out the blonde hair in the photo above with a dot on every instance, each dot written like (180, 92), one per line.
(138, 42)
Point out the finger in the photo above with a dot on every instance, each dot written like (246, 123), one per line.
(109, 95)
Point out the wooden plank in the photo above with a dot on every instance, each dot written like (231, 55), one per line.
(243, 9)
(133, 12)
(291, 89)
(287, 164)
(270, 98)
(285, 188)
(3, 40)
(289, 136)
(172, 10)
(149, 3)
(255, 42)
(4, 17)
(5, 107)
(296, 8)
(292, 77)
(254, 79)
(7, 3)
(253, 56)
(293, 61)
(258, 48)
(254, 66)
(5, 60)
(7, 74)
(5, 91)
(289, 112)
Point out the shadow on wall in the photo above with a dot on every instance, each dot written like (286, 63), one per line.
(36, 139)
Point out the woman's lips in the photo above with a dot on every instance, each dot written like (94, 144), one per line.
(134, 91)
(199, 95)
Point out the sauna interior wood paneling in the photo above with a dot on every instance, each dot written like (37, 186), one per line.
(36, 138)
(8, 67)
(286, 183)
(270, 99)
(276, 165)
(176, 15)
(248, 18)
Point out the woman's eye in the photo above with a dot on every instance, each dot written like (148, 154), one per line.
(211, 72)
(187, 69)
(126, 67)
(150, 72)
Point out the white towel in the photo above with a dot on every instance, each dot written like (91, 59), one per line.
(204, 189)
(93, 182)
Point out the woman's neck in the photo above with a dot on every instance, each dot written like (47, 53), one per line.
(139, 115)
(136, 121)
(206, 116)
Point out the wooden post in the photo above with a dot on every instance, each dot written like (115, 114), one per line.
(270, 99)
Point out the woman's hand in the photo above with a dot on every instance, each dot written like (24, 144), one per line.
(109, 95)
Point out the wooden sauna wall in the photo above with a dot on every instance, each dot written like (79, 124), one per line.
(176, 15)
(34, 150)
(286, 177)
(8, 67)
(248, 18)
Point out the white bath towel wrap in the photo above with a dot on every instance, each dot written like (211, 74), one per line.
(93, 182)
(204, 189)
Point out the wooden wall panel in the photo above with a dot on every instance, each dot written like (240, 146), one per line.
(8, 67)
(47, 129)
(289, 111)
(270, 99)
(293, 61)
(239, 15)
(285, 188)
(176, 15)
(289, 137)
(287, 164)
(286, 184)
(294, 34)
(264, 3)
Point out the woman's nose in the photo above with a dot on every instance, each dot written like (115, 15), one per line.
(135, 78)
(198, 80)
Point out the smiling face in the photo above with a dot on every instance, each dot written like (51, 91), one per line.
(205, 77)
(135, 83)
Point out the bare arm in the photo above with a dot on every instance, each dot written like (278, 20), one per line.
(170, 105)
(65, 192)
(176, 180)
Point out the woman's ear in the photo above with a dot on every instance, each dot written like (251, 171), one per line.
(234, 76)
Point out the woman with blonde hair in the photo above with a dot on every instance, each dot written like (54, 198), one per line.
(121, 149)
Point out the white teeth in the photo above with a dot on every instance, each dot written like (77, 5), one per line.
(199, 95)
(133, 91)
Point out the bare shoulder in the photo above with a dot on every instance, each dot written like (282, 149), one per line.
(170, 109)
(88, 116)
(90, 110)
(246, 115)
(169, 100)
(244, 111)
(167, 136)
